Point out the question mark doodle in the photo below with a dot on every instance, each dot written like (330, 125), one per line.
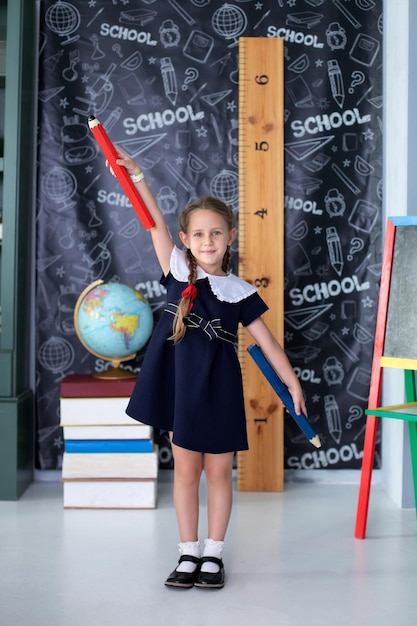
(356, 245)
(355, 413)
(118, 50)
(192, 75)
(358, 78)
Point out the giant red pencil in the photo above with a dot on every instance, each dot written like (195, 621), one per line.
(123, 177)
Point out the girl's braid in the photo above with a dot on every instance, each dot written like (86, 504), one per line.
(226, 260)
(192, 263)
(184, 307)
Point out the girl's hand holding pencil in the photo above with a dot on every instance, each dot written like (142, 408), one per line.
(126, 178)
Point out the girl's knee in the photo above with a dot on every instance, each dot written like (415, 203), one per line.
(188, 465)
(187, 474)
(218, 468)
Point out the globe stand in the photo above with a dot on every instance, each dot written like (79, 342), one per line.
(114, 372)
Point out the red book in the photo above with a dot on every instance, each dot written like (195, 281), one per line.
(88, 386)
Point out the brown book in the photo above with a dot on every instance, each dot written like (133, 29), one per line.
(89, 386)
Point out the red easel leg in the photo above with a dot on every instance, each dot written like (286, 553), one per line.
(366, 475)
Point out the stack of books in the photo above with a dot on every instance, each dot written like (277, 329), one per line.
(109, 461)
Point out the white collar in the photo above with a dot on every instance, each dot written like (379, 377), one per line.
(228, 288)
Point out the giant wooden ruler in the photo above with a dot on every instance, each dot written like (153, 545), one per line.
(261, 247)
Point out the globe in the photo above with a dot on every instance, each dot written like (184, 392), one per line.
(225, 185)
(59, 184)
(62, 18)
(113, 321)
(229, 21)
(56, 355)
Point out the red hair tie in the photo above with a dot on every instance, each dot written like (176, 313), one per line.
(189, 293)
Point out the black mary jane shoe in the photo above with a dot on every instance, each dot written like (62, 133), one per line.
(210, 580)
(183, 579)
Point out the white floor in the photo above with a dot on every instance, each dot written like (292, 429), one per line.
(291, 560)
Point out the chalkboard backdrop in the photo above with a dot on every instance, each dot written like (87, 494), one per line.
(162, 77)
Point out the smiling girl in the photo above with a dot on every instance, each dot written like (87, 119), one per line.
(190, 383)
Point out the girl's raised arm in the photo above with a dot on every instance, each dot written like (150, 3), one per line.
(162, 240)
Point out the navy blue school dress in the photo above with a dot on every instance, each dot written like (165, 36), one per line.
(194, 387)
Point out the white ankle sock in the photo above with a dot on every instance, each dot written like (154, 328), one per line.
(212, 548)
(192, 548)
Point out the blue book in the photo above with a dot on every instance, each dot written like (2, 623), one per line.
(107, 445)
(282, 391)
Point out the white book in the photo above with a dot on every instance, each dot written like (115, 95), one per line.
(137, 431)
(110, 494)
(94, 412)
(110, 465)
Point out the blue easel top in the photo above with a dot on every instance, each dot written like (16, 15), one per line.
(405, 220)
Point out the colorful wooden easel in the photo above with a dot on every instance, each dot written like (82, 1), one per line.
(395, 346)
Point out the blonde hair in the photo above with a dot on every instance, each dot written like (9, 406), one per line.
(210, 204)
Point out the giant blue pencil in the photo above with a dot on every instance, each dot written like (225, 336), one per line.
(282, 391)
